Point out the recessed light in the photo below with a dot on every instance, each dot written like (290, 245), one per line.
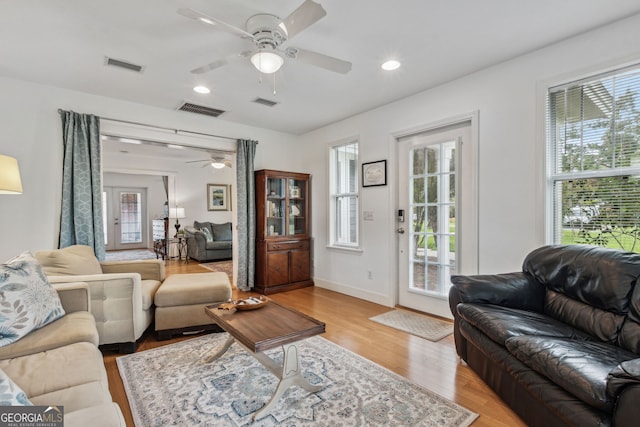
(201, 89)
(391, 65)
(130, 141)
(175, 147)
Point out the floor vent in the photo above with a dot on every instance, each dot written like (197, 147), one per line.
(123, 64)
(266, 102)
(200, 109)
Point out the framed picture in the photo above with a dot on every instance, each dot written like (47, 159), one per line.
(218, 197)
(374, 173)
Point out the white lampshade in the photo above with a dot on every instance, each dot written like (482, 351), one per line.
(176, 213)
(267, 62)
(10, 182)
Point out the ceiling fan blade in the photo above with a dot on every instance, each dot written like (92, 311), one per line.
(221, 62)
(198, 161)
(307, 14)
(216, 23)
(319, 60)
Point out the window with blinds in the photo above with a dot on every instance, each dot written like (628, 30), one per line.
(593, 149)
(344, 195)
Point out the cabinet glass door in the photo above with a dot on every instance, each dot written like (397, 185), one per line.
(297, 207)
(276, 207)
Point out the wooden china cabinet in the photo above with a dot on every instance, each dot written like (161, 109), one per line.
(283, 240)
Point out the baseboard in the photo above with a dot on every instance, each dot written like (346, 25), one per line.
(377, 298)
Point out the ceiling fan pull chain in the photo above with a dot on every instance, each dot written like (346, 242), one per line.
(274, 83)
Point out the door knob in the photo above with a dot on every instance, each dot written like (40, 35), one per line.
(400, 230)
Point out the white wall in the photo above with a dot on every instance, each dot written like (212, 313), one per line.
(31, 132)
(509, 98)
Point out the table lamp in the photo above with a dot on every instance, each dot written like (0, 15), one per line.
(10, 182)
(177, 213)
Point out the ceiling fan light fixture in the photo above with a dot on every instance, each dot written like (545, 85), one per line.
(216, 164)
(267, 62)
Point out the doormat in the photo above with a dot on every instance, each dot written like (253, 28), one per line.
(130, 255)
(416, 324)
(173, 386)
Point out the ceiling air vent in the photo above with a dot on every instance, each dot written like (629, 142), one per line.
(200, 109)
(123, 64)
(266, 102)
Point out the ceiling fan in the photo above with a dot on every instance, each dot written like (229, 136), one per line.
(268, 33)
(214, 162)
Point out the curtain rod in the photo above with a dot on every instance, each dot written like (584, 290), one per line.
(175, 131)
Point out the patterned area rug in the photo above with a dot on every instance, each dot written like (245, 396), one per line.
(415, 324)
(130, 255)
(171, 385)
(224, 266)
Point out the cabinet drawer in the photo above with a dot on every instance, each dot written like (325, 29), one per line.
(287, 246)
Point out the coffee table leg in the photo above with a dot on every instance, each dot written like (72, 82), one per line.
(290, 374)
(222, 350)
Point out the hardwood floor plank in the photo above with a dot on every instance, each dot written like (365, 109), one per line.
(433, 365)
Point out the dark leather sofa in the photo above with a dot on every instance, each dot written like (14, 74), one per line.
(559, 341)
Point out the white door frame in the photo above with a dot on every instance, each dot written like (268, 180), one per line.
(469, 263)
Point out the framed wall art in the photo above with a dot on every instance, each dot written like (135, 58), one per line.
(374, 173)
(218, 197)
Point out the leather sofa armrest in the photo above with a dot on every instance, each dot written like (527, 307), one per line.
(149, 269)
(74, 296)
(627, 372)
(515, 290)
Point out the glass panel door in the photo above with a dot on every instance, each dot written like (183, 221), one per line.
(297, 207)
(125, 218)
(276, 207)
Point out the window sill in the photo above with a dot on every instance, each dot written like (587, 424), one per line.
(345, 249)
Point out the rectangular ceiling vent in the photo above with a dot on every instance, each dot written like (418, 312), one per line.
(266, 102)
(200, 109)
(123, 64)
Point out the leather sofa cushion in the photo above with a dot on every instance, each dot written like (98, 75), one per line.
(629, 337)
(599, 277)
(501, 323)
(579, 367)
(602, 324)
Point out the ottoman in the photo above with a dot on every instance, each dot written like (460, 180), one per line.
(181, 299)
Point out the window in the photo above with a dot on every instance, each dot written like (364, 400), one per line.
(593, 149)
(343, 201)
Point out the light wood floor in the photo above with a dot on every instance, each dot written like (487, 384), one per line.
(433, 365)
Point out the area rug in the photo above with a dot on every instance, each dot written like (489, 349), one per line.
(172, 385)
(223, 266)
(415, 324)
(130, 255)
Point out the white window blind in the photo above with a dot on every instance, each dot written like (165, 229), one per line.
(593, 149)
(344, 195)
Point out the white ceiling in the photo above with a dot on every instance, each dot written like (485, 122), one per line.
(64, 43)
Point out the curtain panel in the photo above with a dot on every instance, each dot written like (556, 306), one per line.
(81, 216)
(246, 214)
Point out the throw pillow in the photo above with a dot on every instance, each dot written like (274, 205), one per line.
(76, 260)
(27, 300)
(207, 234)
(222, 232)
(10, 393)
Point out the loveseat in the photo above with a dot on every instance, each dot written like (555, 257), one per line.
(121, 292)
(208, 241)
(58, 363)
(559, 341)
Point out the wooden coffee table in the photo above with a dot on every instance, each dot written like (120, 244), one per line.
(268, 327)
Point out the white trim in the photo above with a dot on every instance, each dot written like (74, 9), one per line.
(374, 297)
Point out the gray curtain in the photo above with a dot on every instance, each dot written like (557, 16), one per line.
(81, 217)
(246, 214)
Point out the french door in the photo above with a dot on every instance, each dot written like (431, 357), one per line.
(125, 218)
(431, 208)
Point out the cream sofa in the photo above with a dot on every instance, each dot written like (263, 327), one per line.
(122, 292)
(60, 364)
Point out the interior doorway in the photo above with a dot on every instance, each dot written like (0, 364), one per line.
(125, 218)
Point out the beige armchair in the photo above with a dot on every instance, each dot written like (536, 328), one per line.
(121, 292)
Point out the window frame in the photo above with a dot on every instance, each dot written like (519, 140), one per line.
(553, 175)
(333, 196)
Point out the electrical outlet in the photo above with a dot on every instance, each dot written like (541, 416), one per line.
(370, 275)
